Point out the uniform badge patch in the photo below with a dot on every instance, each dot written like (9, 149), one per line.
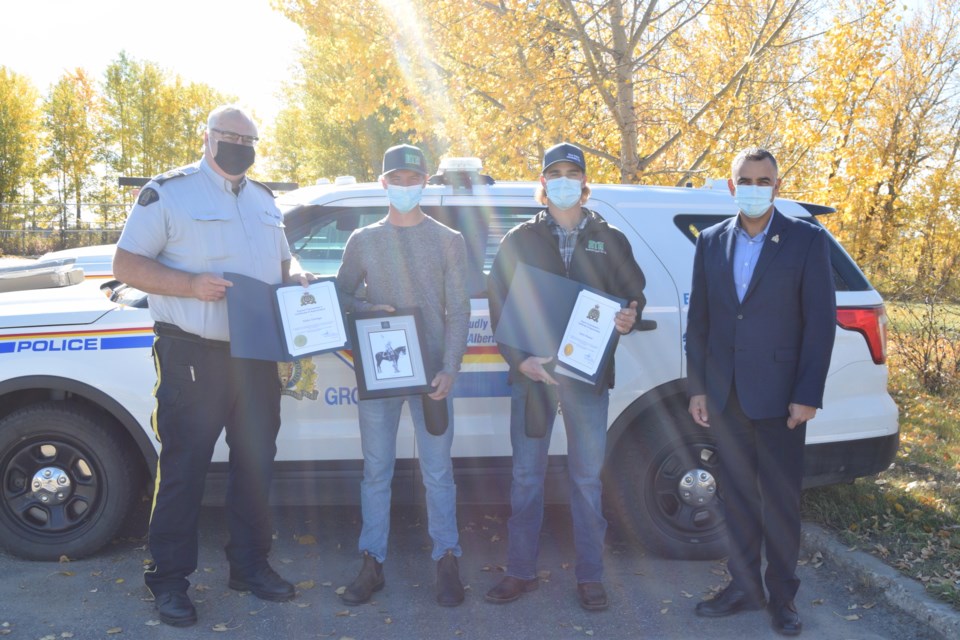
(148, 196)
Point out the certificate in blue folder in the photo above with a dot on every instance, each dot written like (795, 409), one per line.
(283, 322)
(548, 315)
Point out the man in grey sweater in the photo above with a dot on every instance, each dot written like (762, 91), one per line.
(408, 259)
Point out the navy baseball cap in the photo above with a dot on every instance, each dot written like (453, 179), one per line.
(564, 152)
(404, 156)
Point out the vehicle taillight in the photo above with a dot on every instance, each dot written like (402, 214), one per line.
(871, 322)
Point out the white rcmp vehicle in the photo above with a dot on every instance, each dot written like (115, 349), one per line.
(77, 451)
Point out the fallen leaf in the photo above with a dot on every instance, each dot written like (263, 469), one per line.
(119, 581)
(94, 590)
(388, 620)
(686, 595)
(307, 539)
(544, 574)
(577, 628)
(152, 623)
(495, 538)
(817, 601)
(256, 611)
(66, 573)
(588, 632)
(223, 626)
(342, 614)
(667, 601)
(114, 630)
(66, 634)
(326, 584)
(340, 590)
(64, 559)
(869, 605)
(201, 588)
(664, 610)
(306, 584)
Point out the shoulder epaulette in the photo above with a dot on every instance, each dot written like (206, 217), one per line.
(260, 184)
(176, 173)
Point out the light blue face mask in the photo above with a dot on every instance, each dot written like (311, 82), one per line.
(404, 199)
(752, 200)
(564, 192)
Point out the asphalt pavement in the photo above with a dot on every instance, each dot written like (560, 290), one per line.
(845, 594)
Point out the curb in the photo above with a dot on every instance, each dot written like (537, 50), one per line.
(898, 591)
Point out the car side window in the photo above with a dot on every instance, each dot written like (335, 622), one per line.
(482, 227)
(317, 235)
(846, 274)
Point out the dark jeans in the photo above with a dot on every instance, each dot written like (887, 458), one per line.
(761, 469)
(200, 392)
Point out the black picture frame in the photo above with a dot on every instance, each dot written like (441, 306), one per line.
(385, 334)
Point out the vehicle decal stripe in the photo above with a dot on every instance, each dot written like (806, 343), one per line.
(76, 334)
(487, 384)
(128, 342)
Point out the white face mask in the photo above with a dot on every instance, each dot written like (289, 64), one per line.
(404, 199)
(564, 192)
(752, 200)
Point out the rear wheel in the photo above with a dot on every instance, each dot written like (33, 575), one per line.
(663, 493)
(68, 482)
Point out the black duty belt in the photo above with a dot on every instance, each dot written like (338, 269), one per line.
(167, 330)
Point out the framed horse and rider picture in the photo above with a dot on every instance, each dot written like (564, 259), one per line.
(388, 356)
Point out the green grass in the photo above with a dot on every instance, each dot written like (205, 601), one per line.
(909, 515)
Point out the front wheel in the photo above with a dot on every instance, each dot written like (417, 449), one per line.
(68, 482)
(663, 492)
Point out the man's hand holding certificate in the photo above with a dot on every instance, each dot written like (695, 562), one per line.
(547, 315)
(283, 322)
(588, 332)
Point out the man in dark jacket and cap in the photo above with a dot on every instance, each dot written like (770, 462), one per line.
(568, 240)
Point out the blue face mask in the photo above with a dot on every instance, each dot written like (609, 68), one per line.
(753, 201)
(564, 192)
(404, 199)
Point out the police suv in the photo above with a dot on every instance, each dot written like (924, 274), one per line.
(77, 450)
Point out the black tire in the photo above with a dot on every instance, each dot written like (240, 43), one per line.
(68, 482)
(644, 488)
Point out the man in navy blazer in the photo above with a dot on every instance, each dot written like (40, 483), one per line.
(760, 332)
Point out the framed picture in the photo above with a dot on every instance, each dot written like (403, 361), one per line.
(388, 355)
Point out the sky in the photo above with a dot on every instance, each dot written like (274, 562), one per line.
(239, 47)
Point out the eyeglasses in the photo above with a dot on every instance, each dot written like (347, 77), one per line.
(234, 137)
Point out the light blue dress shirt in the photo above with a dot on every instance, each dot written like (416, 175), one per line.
(746, 252)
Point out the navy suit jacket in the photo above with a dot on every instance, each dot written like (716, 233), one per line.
(777, 343)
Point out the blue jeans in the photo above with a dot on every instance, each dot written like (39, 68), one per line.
(585, 419)
(379, 421)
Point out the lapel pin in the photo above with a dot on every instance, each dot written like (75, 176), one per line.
(776, 238)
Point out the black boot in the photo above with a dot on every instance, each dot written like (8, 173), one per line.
(449, 588)
(369, 579)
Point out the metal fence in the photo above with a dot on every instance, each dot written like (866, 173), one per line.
(32, 229)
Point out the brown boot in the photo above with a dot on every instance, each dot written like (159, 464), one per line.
(369, 579)
(449, 588)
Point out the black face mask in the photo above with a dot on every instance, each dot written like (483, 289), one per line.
(234, 158)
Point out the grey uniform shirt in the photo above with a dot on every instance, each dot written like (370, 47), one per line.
(195, 223)
(420, 266)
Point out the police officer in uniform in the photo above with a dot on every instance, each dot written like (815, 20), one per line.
(188, 227)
